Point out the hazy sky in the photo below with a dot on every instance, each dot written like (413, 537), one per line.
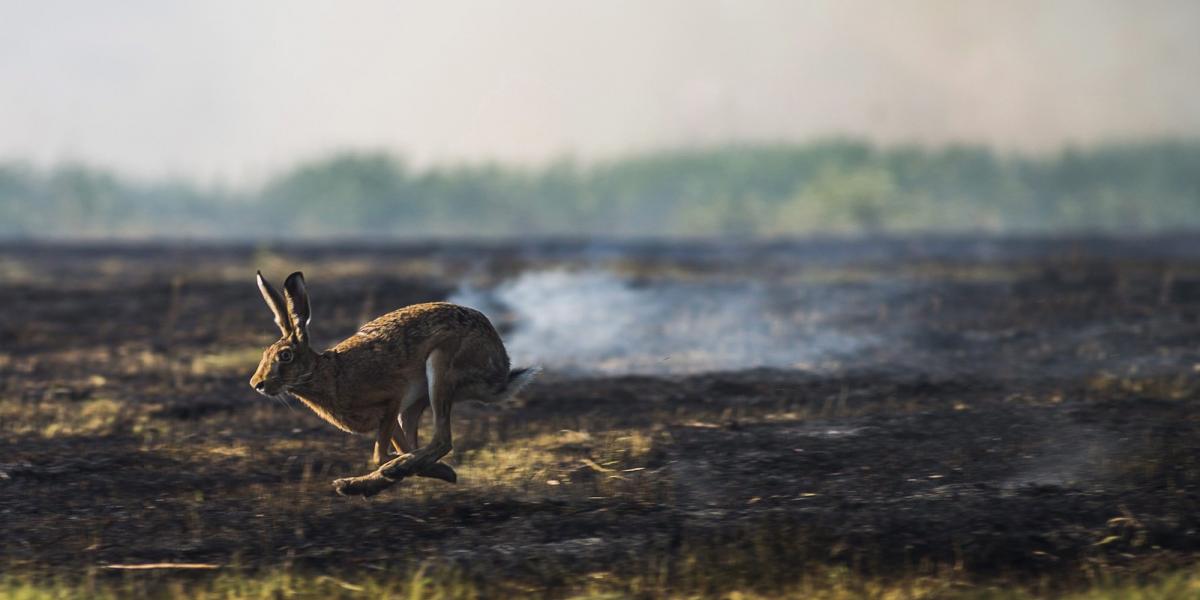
(238, 89)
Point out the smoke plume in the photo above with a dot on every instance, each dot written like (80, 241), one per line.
(598, 321)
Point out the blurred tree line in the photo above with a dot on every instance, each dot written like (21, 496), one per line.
(837, 186)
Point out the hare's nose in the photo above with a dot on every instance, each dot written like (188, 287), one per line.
(258, 387)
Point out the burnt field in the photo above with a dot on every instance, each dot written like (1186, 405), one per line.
(935, 417)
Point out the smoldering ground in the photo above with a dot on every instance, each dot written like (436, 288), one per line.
(596, 321)
(998, 409)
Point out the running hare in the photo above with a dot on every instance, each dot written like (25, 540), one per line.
(393, 367)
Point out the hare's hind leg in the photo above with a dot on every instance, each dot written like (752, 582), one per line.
(438, 470)
(441, 388)
(441, 398)
(441, 393)
(405, 440)
(416, 400)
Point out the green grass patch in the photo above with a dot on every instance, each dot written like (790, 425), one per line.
(827, 583)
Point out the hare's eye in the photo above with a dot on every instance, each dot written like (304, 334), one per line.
(285, 356)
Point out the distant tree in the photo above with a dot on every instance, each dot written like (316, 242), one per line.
(347, 194)
(837, 185)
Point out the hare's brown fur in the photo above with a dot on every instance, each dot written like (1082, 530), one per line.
(380, 380)
(369, 375)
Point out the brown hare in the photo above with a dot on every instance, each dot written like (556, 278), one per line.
(381, 379)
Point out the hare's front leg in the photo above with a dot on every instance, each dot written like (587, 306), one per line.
(383, 438)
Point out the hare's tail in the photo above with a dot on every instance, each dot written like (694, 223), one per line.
(517, 379)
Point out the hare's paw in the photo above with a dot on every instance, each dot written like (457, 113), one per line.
(440, 471)
(365, 486)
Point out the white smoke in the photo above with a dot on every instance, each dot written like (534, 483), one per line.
(597, 321)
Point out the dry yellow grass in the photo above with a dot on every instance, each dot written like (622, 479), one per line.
(54, 418)
(422, 584)
(230, 362)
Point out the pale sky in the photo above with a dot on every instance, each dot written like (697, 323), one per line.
(237, 90)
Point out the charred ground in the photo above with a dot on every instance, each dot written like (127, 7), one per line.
(1025, 412)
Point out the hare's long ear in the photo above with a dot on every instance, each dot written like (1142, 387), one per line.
(297, 304)
(276, 304)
